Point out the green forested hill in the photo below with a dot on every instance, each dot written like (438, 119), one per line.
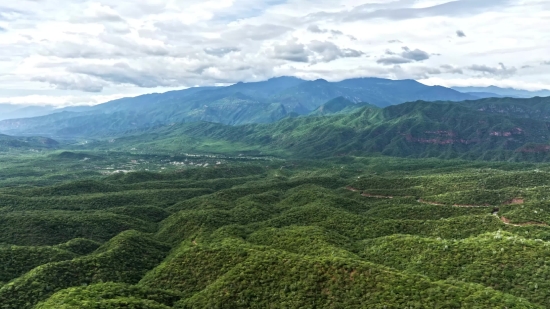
(501, 129)
(339, 105)
(17, 143)
(533, 108)
(345, 232)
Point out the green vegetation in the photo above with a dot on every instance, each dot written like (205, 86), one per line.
(339, 105)
(110, 295)
(10, 143)
(125, 258)
(27, 258)
(489, 130)
(255, 232)
(504, 261)
(366, 207)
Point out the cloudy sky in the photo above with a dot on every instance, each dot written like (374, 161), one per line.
(65, 52)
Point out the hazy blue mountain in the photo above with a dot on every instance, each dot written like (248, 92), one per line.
(265, 89)
(384, 92)
(308, 96)
(6, 108)
(241, 103)
(508, 92)
(13, 111)
(77, 109)
(484, 95)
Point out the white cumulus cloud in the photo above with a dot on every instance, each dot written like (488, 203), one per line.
(87, 51)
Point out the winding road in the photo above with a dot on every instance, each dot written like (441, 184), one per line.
(515, 201)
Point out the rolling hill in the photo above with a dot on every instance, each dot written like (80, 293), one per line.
(340, 233)
(26, 143)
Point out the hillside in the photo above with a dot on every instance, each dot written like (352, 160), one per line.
(8, 143)
(489, 129)
(348, 233)
(242, 103)
(338, 105)
(533, 108)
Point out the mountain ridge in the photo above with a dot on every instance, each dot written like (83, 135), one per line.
(483, 129)
(241, 103)
(14, 111)
(506, 92)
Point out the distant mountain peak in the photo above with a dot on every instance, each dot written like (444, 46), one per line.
(284, 78)
(320, 80)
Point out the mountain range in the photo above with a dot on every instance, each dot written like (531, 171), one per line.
(487, 129)
(494, 91)
(290, 116)
(13, 111)
(242, 103)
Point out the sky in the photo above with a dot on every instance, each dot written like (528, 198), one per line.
(61, 52)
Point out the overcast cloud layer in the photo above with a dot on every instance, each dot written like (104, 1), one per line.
(64, 52)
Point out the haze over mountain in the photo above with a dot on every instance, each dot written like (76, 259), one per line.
(13, 111)
(241, 103)
(505, 92)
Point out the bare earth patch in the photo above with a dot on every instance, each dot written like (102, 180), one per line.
(352, 189)
(515, 201)
(376, 196)
(454, 205)
(507, 222)
(430, 203)
(368, 195)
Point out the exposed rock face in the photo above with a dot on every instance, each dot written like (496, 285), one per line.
(535, 149)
